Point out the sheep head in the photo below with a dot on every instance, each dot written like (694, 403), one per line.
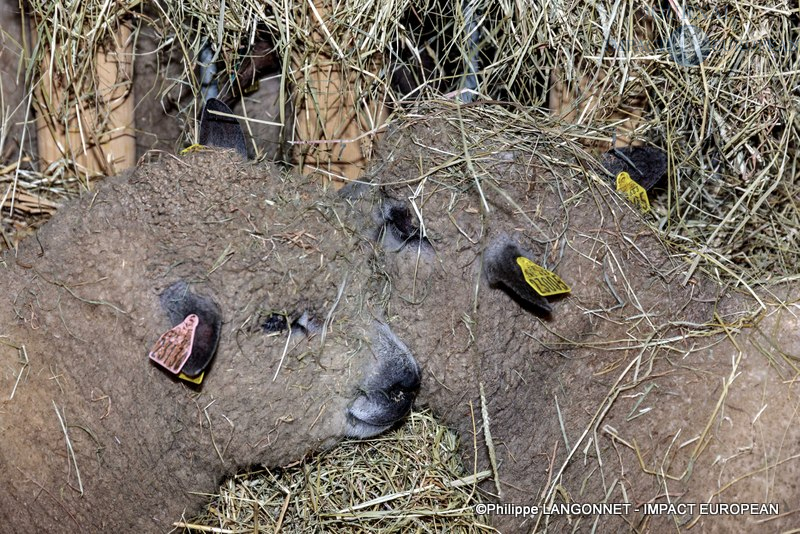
(284, 284)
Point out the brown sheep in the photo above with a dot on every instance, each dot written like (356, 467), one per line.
(647, 384)
(98, 438)
(635, 388)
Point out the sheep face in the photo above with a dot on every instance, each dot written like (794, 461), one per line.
(304, 355)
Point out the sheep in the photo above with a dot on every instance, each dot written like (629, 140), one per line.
(648, 384)
(333, 309)
(97, 437)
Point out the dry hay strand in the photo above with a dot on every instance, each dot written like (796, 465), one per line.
(28, 200)
(727, 124)
(638, 369)
(331, 58)
(726, 120)
(371, 42)
(407, 480)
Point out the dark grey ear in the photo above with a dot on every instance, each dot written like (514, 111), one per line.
(178, 301)
(646, 165)
(221, 131)
(502, 271)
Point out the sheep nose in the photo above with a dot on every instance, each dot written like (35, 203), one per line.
(407, 382)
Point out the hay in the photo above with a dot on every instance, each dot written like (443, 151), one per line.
(29, 199)
(410, 479)
(727, 123)
(80, 75)
(72, 101)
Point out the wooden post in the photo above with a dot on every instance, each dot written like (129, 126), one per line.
(12, 84)
(94, 130)
(336, 121)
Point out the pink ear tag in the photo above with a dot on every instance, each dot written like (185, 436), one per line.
(174, 346)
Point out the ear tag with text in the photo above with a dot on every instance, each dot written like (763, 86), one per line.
(191, 148)
(635, 193)
(544, 282)
(174, 346)
(252, 88)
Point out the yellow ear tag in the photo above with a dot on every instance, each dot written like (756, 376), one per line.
(195, 380)
(635, 193)
(252, 88)
(544, 282)
(191, 148)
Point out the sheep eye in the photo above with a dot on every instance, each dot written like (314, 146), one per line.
(398, 228)
(398, 221)
(279, 322)
(274, 323)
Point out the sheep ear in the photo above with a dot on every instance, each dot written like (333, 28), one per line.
(502, 271)
(219, 130)
(646, 165)
(179, 302)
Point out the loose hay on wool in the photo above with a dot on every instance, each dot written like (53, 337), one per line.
(471, 145)
(636, 370)
(410, 478)
(727, 124)
(726, 120)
